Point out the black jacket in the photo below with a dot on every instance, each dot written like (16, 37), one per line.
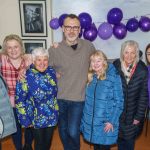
(135, 100)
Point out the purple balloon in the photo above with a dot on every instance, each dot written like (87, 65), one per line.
(120, 31)
(132, 25)
(81, 32)
(61, 19)
(90, 34)
(85, 20)
(105, 31)
(114, 16)
(54, 23)
(144, 24)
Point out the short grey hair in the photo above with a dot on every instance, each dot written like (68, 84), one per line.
(130, 43)
(40, 51)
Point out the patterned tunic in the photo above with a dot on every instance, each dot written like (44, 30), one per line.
(36, 102)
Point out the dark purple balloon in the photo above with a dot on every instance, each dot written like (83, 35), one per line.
(61, 19)
(114, 16)
(81, 32)
(90, 34)
(120, 31)
(144, 24)
(85, 20)
(132, 25)
(54, 23)
(105, 31)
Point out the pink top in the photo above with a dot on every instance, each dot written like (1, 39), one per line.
(10, 74)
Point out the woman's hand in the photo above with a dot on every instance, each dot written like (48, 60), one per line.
(30, 126)
(21, 74)
(28, 59)
(55, 45)
(108, 127)
(28, 62)
(135, 122)
(58, 75)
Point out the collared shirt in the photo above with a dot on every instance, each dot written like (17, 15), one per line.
(10, 75)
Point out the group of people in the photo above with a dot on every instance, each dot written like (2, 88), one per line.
(74, 85)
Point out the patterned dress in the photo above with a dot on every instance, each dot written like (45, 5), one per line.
(36, 102)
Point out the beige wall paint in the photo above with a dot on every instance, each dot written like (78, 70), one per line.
(10, 20)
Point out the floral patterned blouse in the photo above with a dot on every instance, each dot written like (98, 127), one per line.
(36, 102)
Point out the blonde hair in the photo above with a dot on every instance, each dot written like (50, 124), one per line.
(12, 37)
(129, 43)
(102, 74)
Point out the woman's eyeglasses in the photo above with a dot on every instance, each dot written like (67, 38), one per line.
(148, 53)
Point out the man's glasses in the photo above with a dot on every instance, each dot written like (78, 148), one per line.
(74, 28)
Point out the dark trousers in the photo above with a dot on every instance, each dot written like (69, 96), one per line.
(126, 144)
(28, 135)
(101, 147)
(43, 137)
(17, 136)
(70, 113)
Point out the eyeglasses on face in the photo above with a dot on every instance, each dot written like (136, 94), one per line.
(148, 53)
(74, 28)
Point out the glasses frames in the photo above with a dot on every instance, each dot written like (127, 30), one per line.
(74, 28)
(148, 53)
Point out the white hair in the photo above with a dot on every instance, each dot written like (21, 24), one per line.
(40, 51)
(130, 43)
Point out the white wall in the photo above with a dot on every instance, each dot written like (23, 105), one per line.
(98, 10)
(10, 19)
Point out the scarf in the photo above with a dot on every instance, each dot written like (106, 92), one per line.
(128, 70)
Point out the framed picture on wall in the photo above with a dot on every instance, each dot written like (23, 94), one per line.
(30, 44)
(33, 18)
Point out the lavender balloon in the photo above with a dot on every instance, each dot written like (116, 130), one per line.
(114, 16)
(144, 24)
(85, 20)
(54, 23)
(132, 25)
(120, 31)
(105, 31)
(90, 34)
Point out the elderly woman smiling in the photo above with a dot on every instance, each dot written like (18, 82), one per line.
(36, 102)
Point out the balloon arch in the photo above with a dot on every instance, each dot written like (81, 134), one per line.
(113, 26)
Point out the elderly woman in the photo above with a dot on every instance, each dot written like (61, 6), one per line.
(134, 76)
(36, 102)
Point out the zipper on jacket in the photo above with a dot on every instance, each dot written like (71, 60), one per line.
(125, 102)
(93, 109)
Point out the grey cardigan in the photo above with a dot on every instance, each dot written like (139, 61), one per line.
(7, 120)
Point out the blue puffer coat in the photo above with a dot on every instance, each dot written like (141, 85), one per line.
(103, 103)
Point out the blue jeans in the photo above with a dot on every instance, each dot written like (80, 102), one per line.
(126, 144)
(70, 114)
